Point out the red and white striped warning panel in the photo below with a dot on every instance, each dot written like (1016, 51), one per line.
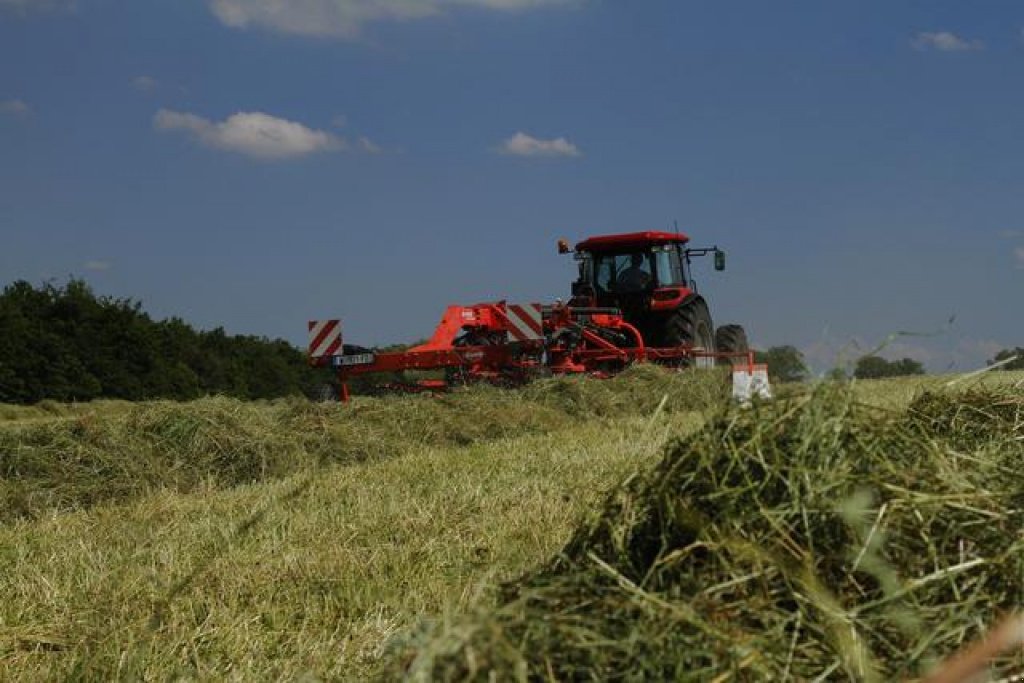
(324, 338)
(525, 322)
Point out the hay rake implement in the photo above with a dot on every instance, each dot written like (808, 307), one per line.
(634, 301)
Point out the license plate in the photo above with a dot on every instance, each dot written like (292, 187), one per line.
(357, 359)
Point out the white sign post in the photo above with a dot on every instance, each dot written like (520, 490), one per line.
(749, 381)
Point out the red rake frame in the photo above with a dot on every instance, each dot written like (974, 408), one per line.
(504, 344)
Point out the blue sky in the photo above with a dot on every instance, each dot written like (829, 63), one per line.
(256, 163)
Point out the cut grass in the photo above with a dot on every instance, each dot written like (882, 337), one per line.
(898, 392)
(48, 410)
(189, 586)
(62, 464)
(258, 566)
(806, 538)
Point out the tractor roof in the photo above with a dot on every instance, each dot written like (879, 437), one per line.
(631, 239)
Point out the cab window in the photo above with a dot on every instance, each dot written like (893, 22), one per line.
(623, 273)
(668, 266)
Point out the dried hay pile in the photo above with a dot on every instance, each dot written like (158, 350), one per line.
(814, 539)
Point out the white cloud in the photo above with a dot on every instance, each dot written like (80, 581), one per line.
(944, 41)
(524, 145)
(344, 18)
(14, 107)
(1011, 234)
(145, 83)
(369, 146)
(1018, 254)
(253, 134)
(97, 265)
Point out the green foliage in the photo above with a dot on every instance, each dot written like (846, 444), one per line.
(785, 363)
(1016, 364)
(66, 343)
(875, 367)
(837, 374)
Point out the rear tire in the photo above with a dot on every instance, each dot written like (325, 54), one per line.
(691, 325)
(729, 339)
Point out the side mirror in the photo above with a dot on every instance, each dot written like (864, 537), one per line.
(719, 259)
(563, 247)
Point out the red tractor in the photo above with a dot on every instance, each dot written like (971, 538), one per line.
(647, 276)
(634, 300)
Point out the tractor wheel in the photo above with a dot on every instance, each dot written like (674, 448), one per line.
(731, 338)
(457, 376)
(691, 324)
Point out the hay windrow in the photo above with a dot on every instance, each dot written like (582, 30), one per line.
(804, 538)
(81, 458)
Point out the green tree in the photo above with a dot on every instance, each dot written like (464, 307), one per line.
(874, 367)
(68, 344)
(838, 374)
(1016, 353)
(907, 366)
(785, 363)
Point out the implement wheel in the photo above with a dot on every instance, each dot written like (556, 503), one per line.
(326, 393)
(691, 324)
(731, 339)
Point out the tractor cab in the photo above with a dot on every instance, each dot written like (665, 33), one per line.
(645, 275)
(654, 266)
(618, 269)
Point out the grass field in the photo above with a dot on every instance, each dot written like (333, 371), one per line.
(220, 539)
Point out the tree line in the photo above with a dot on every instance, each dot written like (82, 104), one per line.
(68, 344)
(787, 364)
